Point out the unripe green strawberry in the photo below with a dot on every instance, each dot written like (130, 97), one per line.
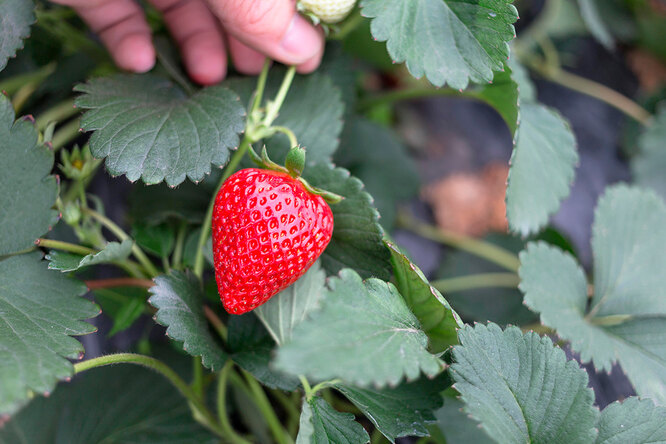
(267, 231)
(328, 11)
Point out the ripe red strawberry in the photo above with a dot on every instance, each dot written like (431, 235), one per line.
(267, 231)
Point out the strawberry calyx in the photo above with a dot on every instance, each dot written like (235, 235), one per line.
(294, 165)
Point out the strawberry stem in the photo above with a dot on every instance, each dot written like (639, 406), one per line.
(205, 416)
(273, 106)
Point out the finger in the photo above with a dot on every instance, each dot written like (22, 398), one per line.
(197, 33)
(314, 62)
(122, 28)
(309, 66)
(272, 27)
(245, 59)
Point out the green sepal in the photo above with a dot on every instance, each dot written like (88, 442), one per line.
(295, 161)
(265, 162)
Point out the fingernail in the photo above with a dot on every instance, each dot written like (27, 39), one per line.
(301, 41)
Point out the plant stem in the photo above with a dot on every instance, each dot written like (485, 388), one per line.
(407, 94)
(273, 108)
(216, 322)
(261, 86)
(590, 88)
(66, 134)
(23, 94)
(292, 412)
(306, 387)
(222, 414)
(62, 111)
(64, 246)
(473, 281)
(349, 25)
(493, 253)
(120, 234)
(376, 437)
(119, 282)
(13, 84)
(197, 380)
(293, 141)
(279, 433)
(160, 367)
(177, 258)
(323, 385)
(537, 328)
(173, 71)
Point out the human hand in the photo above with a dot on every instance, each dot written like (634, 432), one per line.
(205, 30)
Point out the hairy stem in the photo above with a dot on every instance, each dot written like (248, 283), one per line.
(13, 84)
(490, 252)
(216, 322)
(154, 364)
(64, 246)
(222, 414)
(261, 400)
(177, 257)
(66, 134)
(120, 234)
(62, 111)
(293, 141)
(274, 106)
(596, 90)
(482, 280)
(537, 328)
(119, 282)
(407, 94)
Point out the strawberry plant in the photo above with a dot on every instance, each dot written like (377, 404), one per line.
(225, 263)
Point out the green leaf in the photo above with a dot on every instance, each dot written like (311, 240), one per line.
(127, 404)
(153, 205)
(251, 348)
(502, 95)
(649, 165)
(113, 252)
(595, 24)
(520, 75)
(357, 236)
(448, 41)
(148, 128)
(313, 110)
(634, 421)
(322, 424)
(626, 319)
(438, 320)
(542, 168)
(457, 427)
(179, 298)
(123, 305)
(521, 388)
(405, 410)
(16, 16)
(292, 305)
(500, 305)
(28, 191)
(375, 155)
(39, 311)
(158, 240)
(363, 334)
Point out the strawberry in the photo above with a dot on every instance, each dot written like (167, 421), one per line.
(267, 231)
(328, 11)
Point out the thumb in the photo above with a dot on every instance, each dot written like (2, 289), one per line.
(272, 27)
